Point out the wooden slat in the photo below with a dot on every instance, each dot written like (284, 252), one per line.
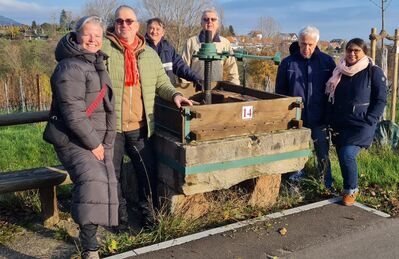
(238, 130)
(31, 179)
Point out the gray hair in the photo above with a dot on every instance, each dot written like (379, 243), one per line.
(310, 31)
(87, 19)
(211, 10)
(124, 7)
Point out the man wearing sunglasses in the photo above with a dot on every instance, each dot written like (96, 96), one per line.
(210, 21)
(137, 76)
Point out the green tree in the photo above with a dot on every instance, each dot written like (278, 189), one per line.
(63, 19)
(231, 30)
(34, 25)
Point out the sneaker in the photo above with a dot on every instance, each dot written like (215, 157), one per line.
(90, 255)
(349, 199)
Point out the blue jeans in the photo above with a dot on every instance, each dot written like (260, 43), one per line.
(347, 161)
(321, 145)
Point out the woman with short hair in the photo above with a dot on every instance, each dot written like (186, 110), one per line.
(82, 129)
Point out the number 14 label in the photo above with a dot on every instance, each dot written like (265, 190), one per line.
(247, 112)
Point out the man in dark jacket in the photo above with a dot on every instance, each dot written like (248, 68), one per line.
(304, 73)
(172, 62)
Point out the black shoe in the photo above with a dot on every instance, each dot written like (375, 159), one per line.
(90, 255)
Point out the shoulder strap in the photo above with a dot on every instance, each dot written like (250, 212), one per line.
(97, 101)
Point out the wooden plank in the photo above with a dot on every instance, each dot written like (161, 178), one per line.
(238, 130)
(225, 120)
(30, 179)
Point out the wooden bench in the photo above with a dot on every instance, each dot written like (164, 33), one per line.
(45, 179)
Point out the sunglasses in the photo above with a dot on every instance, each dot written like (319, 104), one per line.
(120, 21)
(209, 19)
(356, 51)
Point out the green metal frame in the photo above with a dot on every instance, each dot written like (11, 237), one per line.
(186, 123)
(206, 168)
(298, 110)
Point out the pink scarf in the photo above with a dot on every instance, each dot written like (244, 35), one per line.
(342, 68)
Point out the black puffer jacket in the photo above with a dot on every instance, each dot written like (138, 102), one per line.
(76, 83)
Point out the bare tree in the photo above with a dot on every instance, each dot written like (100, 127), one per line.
(182, 17)
(102, 8)
(268, 26)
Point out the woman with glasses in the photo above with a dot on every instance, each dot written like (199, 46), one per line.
(357, 96)
(82, 129)
(210, 21)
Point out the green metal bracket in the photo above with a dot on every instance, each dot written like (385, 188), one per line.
(186, 122)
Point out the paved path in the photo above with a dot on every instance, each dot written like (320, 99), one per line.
(321, 230)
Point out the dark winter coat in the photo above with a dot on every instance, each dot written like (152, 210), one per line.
(358, 104)
(75, 84)
(172, 62)
(297, 76)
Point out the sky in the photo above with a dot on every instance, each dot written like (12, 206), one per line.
(336, 19)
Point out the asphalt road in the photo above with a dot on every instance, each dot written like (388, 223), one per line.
(331, 231)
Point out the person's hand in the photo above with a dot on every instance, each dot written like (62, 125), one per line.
(198, 86)
(98, 152)
(181, 101)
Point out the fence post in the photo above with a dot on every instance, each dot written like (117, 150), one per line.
(6, 92)
(38, 91)
(22, 94)
(395, 76)
(373, 43)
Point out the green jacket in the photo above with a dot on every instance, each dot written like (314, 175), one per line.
(153, 80)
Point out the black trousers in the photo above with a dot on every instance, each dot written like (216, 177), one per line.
(140, 151)
(87, 236)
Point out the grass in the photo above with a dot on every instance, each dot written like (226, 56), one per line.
(22, 147)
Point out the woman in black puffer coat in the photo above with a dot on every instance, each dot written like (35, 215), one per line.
(83, 109)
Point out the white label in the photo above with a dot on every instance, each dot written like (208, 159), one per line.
(397, 49)
(247, 112)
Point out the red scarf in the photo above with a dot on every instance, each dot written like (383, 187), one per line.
(131, 70)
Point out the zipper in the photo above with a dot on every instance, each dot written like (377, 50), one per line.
(361, 104)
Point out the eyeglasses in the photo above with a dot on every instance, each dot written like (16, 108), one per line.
(356, 51)
(209, 19)
(120, 21)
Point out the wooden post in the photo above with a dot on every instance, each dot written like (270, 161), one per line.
(38, 92)
(395, 76)
(22, 94)
(48, 200)
(373, 43)
(6, 92)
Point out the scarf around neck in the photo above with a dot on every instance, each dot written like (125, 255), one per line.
(341, 69)
(131, 70)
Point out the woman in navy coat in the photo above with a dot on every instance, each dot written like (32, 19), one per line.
(357, 98)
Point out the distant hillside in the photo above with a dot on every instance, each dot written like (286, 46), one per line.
(8, 21)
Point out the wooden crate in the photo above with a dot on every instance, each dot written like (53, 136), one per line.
(235, 111)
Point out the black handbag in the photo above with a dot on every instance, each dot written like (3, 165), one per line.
(55, 132)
